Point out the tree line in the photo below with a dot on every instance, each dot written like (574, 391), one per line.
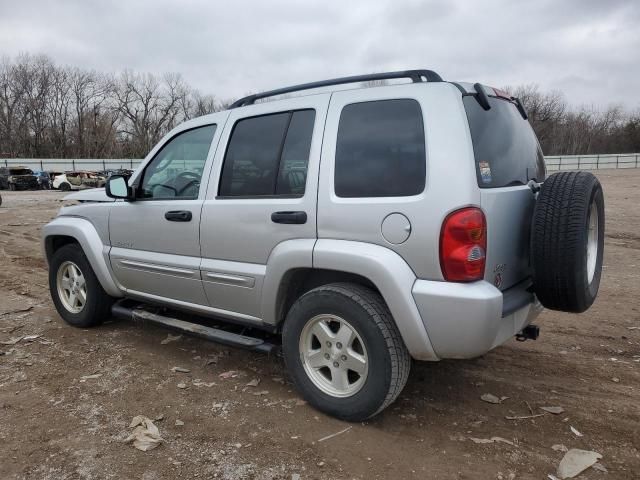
(53, 111)
(565, 130)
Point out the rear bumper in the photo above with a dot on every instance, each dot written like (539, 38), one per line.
(466, 320)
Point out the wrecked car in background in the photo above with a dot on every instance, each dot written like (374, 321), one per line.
(125, 172)
(78, 181)
(18, 178)
(44, 179)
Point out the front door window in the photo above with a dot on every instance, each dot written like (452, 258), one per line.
(176, 170)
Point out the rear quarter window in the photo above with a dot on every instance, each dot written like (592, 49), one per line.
(505, 147)
(380, 150)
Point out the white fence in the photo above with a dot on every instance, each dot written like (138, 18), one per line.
(554, 163)
(592, 162)
(63, 165)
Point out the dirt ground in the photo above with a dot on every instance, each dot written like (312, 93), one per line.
(68, 396)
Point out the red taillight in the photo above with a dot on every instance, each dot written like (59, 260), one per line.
(463, 245)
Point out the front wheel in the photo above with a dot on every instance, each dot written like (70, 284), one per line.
(344, 352)
(76, 292)
(65, 187)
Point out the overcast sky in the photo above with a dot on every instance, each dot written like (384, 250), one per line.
(589, 49)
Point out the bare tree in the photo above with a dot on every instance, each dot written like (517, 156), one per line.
(59, 110)
(150, 107)
(10, 99)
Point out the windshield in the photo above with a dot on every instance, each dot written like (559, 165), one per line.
(20, 171)
(505, 147)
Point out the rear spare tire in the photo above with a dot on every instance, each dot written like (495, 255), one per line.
(567, 241)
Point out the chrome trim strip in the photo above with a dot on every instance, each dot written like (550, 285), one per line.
(157, 268)
(235, 280)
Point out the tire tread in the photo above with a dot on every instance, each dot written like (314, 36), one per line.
(558, 240)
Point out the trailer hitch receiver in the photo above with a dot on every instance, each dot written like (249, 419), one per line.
(530, 332)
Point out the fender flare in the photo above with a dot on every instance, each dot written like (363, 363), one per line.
(86, 235)
(384, 268)
(286, 256)
(392, 277)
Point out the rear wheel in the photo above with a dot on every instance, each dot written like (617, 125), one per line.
(76, 292)
(567, 241)
(344, 351)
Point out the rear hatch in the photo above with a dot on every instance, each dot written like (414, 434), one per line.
(507, 157)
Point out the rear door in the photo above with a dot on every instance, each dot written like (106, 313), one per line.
(263, 192)
(507, 157)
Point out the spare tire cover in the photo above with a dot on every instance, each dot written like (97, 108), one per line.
(567, 241)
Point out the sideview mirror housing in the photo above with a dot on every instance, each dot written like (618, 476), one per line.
(118, 188)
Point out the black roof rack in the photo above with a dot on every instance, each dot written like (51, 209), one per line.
(415, 75)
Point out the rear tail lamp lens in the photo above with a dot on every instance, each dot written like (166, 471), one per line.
(463, 245)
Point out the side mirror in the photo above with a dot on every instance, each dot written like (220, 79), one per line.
(117, 187)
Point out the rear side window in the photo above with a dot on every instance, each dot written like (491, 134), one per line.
(505, 147)
(380, 150)
(268, 155)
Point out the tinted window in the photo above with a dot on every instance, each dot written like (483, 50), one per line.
(380, 151)
(505, 148)
(268, 155)
(295, 154)
(176, 170)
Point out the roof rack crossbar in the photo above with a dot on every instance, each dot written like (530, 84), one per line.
(415, 75)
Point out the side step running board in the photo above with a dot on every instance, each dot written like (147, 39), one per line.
(138, 314)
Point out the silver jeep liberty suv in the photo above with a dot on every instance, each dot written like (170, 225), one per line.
(355, 229)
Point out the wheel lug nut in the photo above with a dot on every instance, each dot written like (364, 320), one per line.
(326, 355)
(329, 344)
(344, 358)
(339, 345)
(336, 364)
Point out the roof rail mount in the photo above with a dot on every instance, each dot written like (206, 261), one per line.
(415, 75)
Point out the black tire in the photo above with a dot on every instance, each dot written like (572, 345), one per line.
(98, 304)
(388, 360)
(559, 240)
(65, 187)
